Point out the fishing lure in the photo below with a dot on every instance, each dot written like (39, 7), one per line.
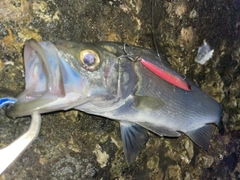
(6, 101)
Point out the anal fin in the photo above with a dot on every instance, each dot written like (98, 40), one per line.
(202, 135)
(134, 137)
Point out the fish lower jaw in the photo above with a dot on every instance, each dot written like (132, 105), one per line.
(44, 105)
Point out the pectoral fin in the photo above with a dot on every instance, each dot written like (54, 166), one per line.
(202, 135)
(147, 102)
(134, 137)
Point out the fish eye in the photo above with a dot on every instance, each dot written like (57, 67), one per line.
(90, 60)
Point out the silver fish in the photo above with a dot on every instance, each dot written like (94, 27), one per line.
(125, 83)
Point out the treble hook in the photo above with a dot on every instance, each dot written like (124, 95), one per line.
(129, 55)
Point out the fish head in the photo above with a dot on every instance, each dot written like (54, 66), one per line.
(65, 75)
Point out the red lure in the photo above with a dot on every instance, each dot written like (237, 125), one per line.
(176, 81)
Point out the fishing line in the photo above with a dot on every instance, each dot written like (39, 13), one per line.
(153, 31)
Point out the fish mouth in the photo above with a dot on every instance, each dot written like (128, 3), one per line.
(46, 89)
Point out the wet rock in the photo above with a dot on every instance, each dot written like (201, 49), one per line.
(173, 172)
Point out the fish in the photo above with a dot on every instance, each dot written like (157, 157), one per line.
(118, 81)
